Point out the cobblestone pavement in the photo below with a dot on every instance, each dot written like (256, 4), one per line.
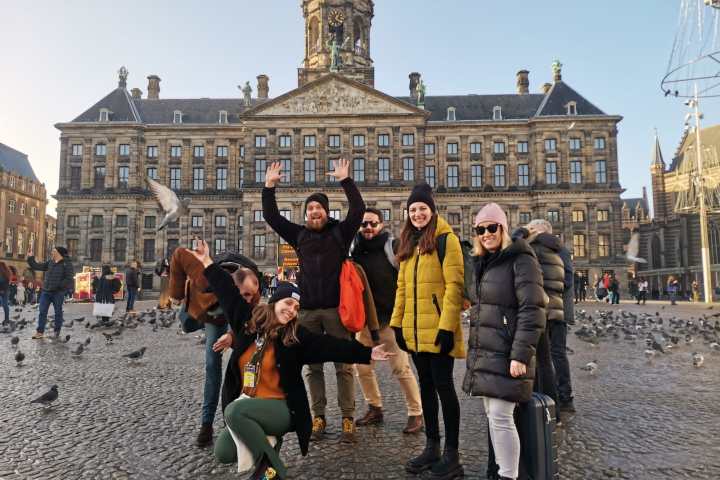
(116, 420)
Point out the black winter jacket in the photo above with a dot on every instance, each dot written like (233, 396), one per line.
(105, 287)
(320, 253)
(290, 360)
(132, 278)
(507, 326)
(547, 249)
(381, 274)
(60, 276)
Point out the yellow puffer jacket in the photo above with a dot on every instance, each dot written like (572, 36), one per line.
(436, 290)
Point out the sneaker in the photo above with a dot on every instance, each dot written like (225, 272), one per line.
(38, 336)
(414, 424)
(348, 430)
(318, 428)
(566, 406)
(205, 437)
(269, 474)
(373, 416)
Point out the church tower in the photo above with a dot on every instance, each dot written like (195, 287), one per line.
(337, 39)
(657, 175)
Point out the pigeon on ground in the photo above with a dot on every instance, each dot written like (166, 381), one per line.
(87, 341)
(649, 354)
(697, 359)
(136, 355)
(108, 337)
(48, 397)
(14, 341)
(19, 357)
(715, 347)
(169, 202)
(79, 350)
(590, 367)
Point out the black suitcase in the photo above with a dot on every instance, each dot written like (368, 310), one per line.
(538, 443)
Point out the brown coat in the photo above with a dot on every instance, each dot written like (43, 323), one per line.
(371, 319)
(184, 267)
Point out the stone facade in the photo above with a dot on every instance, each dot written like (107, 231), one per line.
(552, 154)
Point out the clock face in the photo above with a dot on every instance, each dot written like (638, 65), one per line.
(336, 18)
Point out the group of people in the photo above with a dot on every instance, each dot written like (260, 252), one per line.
(516, 344)
(16, 290)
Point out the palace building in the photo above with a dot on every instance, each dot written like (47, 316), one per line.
(551, 154)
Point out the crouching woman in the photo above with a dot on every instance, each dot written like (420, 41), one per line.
(263, 394)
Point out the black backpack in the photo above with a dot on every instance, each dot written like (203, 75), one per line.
(470, 287)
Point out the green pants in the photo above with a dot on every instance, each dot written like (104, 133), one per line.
(252, 420)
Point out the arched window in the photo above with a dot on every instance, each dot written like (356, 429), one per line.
(714, 234)
(314, 34)
(656, 252)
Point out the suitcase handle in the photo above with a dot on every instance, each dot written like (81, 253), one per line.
(547, 416)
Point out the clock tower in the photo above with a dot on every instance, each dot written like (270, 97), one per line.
(337, 39)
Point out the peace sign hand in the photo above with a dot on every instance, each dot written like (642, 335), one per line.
(342, 168)
(273, 175)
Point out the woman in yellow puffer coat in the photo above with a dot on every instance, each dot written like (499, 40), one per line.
(426, 322)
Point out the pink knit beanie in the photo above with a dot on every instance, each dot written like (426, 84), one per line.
(492, 213)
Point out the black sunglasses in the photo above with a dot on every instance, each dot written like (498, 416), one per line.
(480, 230)
(369, 224)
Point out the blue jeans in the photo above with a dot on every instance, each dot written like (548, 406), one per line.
(132, 295)
(46, 298)
(213, 373)
(4, 299)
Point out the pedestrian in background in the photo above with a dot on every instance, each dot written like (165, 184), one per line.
(642, 291)
(673, 288)
(5, 290)
(132, 285)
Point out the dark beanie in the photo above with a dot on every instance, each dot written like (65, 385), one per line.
(421, 193)
(321, 198)
(62, 251)
(285, 290)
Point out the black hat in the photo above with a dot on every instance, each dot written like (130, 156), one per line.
(231, 261)
(62, 251)
(321, 198)
(285, 290)
(422, 193)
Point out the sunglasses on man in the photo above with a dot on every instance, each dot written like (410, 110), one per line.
(480, 230)
(370, 224)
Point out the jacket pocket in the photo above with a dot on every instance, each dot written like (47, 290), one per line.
(437, 304)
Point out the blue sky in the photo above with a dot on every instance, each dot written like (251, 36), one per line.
(61, 57)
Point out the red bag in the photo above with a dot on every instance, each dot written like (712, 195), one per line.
(352, 307)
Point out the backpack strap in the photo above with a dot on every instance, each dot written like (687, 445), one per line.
(442, 247)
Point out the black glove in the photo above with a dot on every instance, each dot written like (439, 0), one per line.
(399, 339)
(375, 336)
(446, 340)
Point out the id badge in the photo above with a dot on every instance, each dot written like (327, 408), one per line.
(249, 376)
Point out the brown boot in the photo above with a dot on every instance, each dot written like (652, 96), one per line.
(205, 437)
(373, 416)
(414, 424)
(318, 428)
(348, 430)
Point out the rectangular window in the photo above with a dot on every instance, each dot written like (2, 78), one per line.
(524, 218)
(96, 249)
(499, 176)
(286, 214)
(452, 148)
(551, 173)
(241, 177)
(409, 169)
(72, 246)
(523, 175)
(241, 151)
(386, 214)
(358, 141)
(603, 246)
(309, 170)
(220, 221)
(383, 169)
(221, 178)
(149, 222)
(260, 141)
(221, 151)
(498, 148)
(199, 151)
(285, 141)
(259, 246)
(100, 149)
(258, 216)
(152, 173)
(550, 145)
(430, 177)
(260, 166)
(309, 141)
(120, 249)
(175, 152)
(285, 170)
(198, 178)
(579, 245)
(359, 169)
(149, 250)
(600, 171)
(335, 214)
(454, 218)
(99, 180)
(383, 140)
(429, 149)
(575, 144)
(222, 117)
(603, 215)
(475, 148)
(219, 245)
(575, 171)
(22, 209)
(72, 221)
(175, 178)
(408, 139)
(599, 143)
(522, 147)
(75, 177)
(77, 150)
(330, 168)
(152, 151)
(453, 180)
(578, 216)
(553, 216)
(476, 176)
(124, 150)
(121, 221)
(11, 206)
(123, 176)
(333, 141)
(196, 221)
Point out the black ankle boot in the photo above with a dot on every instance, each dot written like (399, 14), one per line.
(425, 460)
(448, 467)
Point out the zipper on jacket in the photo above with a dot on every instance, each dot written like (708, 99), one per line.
(415, 332)
(437, 304)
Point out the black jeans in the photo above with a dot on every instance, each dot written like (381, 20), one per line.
(435, 372)
(544, 374)
(642, 297)
(557, 331)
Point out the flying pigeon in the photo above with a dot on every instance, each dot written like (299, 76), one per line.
(48, 397)
(169, 202)
(633, 249)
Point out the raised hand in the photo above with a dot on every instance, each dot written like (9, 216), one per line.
(379, 354)
(342, 167)
(273, 175)
(202, 252)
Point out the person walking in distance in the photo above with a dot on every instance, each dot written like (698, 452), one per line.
(642, 291)
(374, 250)
(59, 279)
(426, 323)
(132, 284)
(322, 244)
